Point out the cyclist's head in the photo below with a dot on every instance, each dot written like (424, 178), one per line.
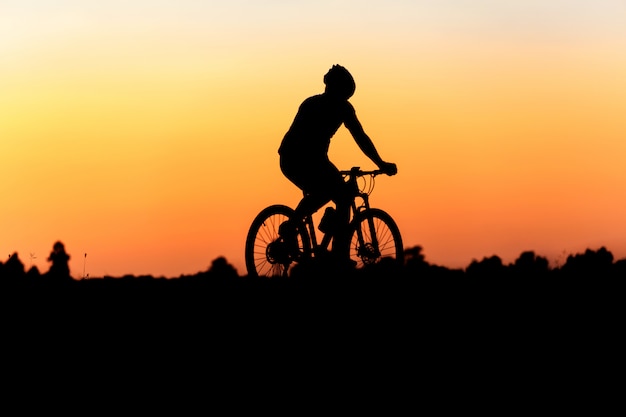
(339, 82)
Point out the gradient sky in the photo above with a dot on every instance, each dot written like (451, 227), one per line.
(145, 133)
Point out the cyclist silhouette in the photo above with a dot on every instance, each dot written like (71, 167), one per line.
(304, 156)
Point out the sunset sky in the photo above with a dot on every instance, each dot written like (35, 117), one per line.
(145, 133)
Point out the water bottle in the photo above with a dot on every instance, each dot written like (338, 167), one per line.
(327, 224)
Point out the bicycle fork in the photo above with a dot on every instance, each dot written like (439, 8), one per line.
(365, 250)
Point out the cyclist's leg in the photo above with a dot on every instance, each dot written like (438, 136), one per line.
(322, 182)
(306, 176)
(341, 237)
(311, 203)
(309, 176)
(336, 189)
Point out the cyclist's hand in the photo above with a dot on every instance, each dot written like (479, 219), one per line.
(388, 168)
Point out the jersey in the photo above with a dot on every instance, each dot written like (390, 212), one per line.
(316, 122)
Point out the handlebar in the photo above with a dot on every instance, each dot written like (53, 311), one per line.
(365, 186)
(357, 172)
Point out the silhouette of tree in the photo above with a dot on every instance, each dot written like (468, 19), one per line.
(590, 264)
(415, 264)
(59, 270)
(619, 268)
(12, 271)
(220, 267)
(529, 265)
(33, 272)
(414, 254)
(488, 267)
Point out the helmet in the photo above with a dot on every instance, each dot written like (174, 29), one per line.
(339, 81)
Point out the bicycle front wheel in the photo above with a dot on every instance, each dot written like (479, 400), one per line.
(266, 254)
(375, 236)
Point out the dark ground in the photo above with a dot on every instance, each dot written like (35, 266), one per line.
(418, 331)
(487, 293)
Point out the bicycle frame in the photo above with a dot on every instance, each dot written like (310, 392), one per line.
(355, 209)
(374, 235)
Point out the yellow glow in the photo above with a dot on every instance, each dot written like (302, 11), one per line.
(147, 136)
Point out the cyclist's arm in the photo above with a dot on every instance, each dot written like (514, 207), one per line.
(366, 145)
(361, 138)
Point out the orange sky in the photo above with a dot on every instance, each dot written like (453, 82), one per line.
(146, 135)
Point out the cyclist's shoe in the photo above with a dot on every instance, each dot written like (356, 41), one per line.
(289, 234)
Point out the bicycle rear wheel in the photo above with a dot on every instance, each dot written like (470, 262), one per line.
(266, 254)
(375, 236)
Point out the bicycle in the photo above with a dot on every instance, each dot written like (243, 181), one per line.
(374, 233)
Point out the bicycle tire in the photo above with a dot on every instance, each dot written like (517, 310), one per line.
(263, 252)
(389, 240)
